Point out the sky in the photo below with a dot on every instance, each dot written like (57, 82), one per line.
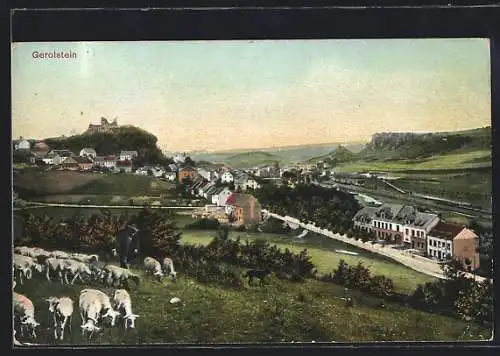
(222, 95)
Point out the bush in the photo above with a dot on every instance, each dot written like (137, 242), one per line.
(204, 224)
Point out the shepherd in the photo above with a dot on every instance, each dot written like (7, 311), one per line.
(127, 244)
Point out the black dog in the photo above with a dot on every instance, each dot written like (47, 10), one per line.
(257, 273)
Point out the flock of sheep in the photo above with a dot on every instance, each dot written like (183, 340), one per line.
(94, 305)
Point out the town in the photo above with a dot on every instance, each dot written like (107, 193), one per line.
(241, 192)
(227, 196)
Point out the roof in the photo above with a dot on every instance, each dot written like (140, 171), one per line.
(63, 153)
(81, 160)
(423, 220)
(446, 231)
(388, 211)
(187, 168)
(127, 153)
(366, 214)
(105, 158)
(238, 199)
(89, 150)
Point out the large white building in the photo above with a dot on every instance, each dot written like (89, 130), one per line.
(88, 152)
(227, 177)
(399, 223)
(22, 145)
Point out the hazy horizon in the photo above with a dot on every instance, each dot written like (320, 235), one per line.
(232, 95)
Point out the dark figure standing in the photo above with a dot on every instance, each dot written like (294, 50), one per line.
(257, 273)
(127, 244)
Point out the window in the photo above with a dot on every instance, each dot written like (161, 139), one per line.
(407, 232)
(397, 228)
(412, 233)
(449, 246)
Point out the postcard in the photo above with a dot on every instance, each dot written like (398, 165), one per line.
(251, 191)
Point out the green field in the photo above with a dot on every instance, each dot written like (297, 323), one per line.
(278, 312)
(40, 183)
(473, 159)
(322, 251)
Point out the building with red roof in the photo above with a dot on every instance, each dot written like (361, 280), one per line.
(447, 240)
(244, 208)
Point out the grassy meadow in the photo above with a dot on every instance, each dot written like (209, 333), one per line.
(41, 183)
(462, 160)
(322, 251)
(278, 312)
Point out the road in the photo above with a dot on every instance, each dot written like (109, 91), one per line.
(417, 263)
(60, 205)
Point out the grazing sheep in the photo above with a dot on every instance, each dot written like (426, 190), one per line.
(24, 311)
(26, 265)
(114, 274)
(90, 310)
(168, 267)
(22, 250)
(76, 269)
(106, 309)
(122, 302)
(153, 267)
(60, 254)
(84, 258)
(61, 310)
(55, 265)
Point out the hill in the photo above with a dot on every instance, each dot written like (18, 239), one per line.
(339, 155)
(250, 159)
(280, 311)
(105, 143)
(288, 154)
(407, 145)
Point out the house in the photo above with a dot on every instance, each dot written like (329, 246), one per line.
(171, 176)
(63, 153)
(105, 161)
(124, 166)
(448, 240)
(22, 144)
(245, 209)
(397, 223)
(179, 158)
(88, 152)
(52, 158)
(205, 174)
(219, 197)
(77, 163)
(127, 155)
(207, 194)
(204, 188)
(227, 177)
(187, 172)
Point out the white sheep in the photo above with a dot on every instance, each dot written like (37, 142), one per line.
(62, 311)
(59, 254)
(105, 301)
(76, 269)
(90, 310)
(22, 250)
(55, 265)
(114, 274)
(25, 265)
(153, 267)
(24, 310)
(122, 302)
(84, 258)
(168, 267)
